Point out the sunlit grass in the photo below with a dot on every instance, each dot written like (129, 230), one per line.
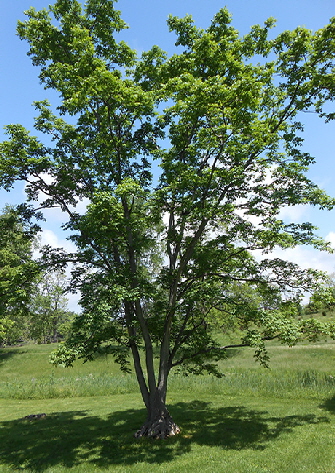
(306, 371)
(219, 434)
(253, 420)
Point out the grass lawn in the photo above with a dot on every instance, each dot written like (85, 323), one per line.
(247, 422)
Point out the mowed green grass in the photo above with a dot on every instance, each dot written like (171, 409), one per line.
(251, 421)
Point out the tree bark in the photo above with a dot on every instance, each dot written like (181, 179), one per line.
(159, 423)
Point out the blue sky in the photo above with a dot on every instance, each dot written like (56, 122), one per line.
(147, 20)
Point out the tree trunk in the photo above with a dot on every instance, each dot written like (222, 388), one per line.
(159, 423)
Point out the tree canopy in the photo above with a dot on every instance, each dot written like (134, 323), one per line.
(184, 162)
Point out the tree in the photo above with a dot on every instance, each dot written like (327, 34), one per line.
(48, 307)
(323, 298)
(18, 271)
(156, 253)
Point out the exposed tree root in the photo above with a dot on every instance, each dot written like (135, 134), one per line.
(159, 428)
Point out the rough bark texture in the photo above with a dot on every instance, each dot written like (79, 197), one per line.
(158, 426)
(159, 423)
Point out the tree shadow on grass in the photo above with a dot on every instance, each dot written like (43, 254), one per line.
(74, 437)
(9, 353)
(329, 405)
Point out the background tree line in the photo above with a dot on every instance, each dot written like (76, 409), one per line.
(33, 305)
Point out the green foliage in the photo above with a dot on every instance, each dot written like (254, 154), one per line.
(50, 318)
(156, 257)
(323, 299)
(17, 273)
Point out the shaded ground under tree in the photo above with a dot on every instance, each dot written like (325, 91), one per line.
(76, 437)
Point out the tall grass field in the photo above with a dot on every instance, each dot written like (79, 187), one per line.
(253, 420)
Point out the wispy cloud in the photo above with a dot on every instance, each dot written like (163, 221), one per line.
(48, 237)
(294, 213)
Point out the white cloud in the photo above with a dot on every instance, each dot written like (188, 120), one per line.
(48, 237)
(55, 214)
(81, 206)
(73, 300)
(305, 257)
(331, 238)
(294, 213)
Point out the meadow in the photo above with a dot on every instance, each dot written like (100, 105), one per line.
(253, 420)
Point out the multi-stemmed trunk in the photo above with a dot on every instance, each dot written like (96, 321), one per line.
(159, 423)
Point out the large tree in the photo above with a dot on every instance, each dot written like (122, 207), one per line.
(184, 163)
